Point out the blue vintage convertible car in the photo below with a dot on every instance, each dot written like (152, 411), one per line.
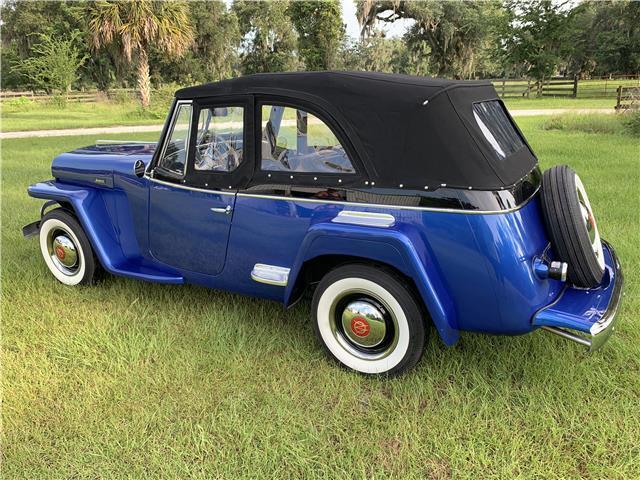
(398, 201)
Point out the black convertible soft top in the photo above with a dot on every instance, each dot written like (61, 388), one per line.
(412, 131)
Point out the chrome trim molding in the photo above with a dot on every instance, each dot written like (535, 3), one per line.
(118, 142)
(185, 187)
(369, 219)
(395, 207)
(270, 274)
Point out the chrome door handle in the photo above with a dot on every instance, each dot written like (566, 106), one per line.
(227, 210)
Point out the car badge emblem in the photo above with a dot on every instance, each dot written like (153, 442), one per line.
(360, 327)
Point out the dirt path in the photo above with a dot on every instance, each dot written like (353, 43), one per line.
(157, 128)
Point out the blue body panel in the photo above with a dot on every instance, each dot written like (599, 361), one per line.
(473, 271)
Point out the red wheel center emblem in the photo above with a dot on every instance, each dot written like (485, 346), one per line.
(60, 252)
(360, 327)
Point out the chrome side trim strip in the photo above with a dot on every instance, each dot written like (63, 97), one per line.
(185, 187)
(369, 219)
(396, 207)
(270, 274)
(118, 142)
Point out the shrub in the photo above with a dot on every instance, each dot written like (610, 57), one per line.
(18, 104)
(631, 122)
(54, 62)
(609, 124)
(58, 101)
(121, 97)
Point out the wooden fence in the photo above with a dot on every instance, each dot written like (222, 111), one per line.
(628, 98)
(603, 87)
(75, 96)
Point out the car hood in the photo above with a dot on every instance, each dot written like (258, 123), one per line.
(102, 160)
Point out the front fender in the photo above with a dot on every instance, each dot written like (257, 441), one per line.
(398, 248)
(90, 209)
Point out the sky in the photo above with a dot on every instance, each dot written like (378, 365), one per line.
(395, 29)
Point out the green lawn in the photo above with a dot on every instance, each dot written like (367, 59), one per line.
(136, 380)
(44, 116)
(558, 102)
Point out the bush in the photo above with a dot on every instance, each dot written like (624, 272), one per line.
(58, 101)
(162, 96)
(631, 122)
(18, 104)
(121, 97)
(608, 124)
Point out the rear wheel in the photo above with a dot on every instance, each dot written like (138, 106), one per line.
(572, 226)
(368, 320)
(66, 249)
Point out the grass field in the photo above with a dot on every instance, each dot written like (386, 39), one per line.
(44, 116)
(135, 380)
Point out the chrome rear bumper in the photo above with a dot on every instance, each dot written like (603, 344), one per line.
(587, 316)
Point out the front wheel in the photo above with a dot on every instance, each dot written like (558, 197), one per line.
(66, 248)
(368, 320)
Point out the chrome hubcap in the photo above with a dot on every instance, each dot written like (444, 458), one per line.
(364, 325)
(63, 252)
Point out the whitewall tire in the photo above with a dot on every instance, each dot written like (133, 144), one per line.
(66, 249)
(368, 320)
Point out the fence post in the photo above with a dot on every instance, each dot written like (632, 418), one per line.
(619, 97)
(575, 86)
(503, 82)
(528, 87)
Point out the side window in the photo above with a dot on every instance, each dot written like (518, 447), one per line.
(175, 153)
(219, 143)
(296, 141)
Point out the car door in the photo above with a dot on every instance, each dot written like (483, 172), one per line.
(194, 182)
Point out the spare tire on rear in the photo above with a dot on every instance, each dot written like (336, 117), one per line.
(572, 226)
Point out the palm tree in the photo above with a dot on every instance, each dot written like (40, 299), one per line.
(135, 25)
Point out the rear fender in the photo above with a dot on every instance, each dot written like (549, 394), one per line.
(389, 246)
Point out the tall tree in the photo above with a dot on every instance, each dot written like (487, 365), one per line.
(380, 54)
(320, 32)
(135, 26)
(268, 38)
(613, 37)
(214, 54)
(454, 31)
(539, 36)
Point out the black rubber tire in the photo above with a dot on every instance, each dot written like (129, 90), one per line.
(569, 236)
(396, 286)
(92, 266)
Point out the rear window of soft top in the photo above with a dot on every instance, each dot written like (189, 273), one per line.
(497, 128)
